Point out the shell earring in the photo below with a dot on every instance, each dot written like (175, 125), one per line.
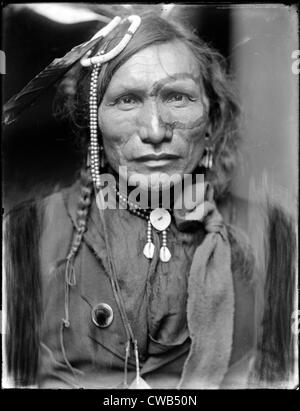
(207, 159)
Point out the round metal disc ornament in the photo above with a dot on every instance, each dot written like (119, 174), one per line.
(160, 218)
(102, 315)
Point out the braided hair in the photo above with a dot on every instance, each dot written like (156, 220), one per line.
(83, 207)
(84, 202)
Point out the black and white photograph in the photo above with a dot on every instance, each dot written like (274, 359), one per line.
(150, 160)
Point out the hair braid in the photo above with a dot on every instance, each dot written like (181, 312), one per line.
(82, 209)
(82, 216)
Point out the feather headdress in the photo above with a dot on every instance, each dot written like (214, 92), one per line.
(50, 75)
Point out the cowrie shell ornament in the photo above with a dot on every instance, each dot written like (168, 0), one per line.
(164, 254)
(149, 250)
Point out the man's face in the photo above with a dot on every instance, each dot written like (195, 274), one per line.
(153, 115)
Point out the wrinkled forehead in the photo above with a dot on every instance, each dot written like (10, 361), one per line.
(157, 64)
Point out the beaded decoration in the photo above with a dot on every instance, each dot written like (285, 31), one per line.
(94, 145)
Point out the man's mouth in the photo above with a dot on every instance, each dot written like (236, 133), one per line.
(156, 157)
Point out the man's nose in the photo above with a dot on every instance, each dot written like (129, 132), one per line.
(152, 129)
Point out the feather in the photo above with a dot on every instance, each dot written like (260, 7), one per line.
(44, 80)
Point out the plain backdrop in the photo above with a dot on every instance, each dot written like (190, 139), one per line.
(262, 42)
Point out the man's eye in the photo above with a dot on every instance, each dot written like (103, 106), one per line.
(127, 101)
(178, 99)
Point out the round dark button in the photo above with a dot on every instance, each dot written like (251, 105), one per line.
(102, 315)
